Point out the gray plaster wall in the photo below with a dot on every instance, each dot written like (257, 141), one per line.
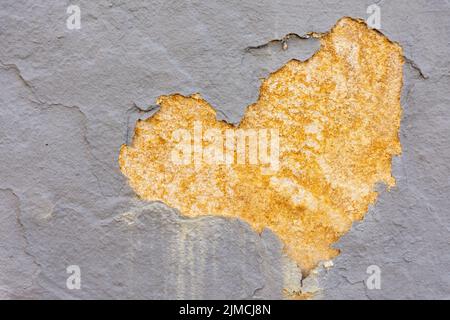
(69, 99)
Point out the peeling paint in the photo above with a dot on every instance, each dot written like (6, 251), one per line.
(338, 115)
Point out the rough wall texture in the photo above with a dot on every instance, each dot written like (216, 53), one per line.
(69, 99)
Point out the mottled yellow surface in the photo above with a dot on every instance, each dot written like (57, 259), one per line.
(338, 115)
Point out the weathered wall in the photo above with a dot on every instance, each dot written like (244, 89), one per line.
(69, 100)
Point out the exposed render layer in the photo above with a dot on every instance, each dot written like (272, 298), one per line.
(338, 115)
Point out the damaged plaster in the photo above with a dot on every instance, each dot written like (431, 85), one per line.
(68, 101)
(338, 117)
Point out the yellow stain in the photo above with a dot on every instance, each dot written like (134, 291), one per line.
(338, 116)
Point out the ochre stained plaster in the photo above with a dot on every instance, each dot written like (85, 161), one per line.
(338, 116)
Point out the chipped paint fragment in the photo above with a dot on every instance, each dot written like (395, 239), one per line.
(328, 264)
(338, 116)
(128, 217)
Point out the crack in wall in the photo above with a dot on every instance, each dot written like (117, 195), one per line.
(416, 67)
(44, 105)
(283, 42)
(26, 243)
